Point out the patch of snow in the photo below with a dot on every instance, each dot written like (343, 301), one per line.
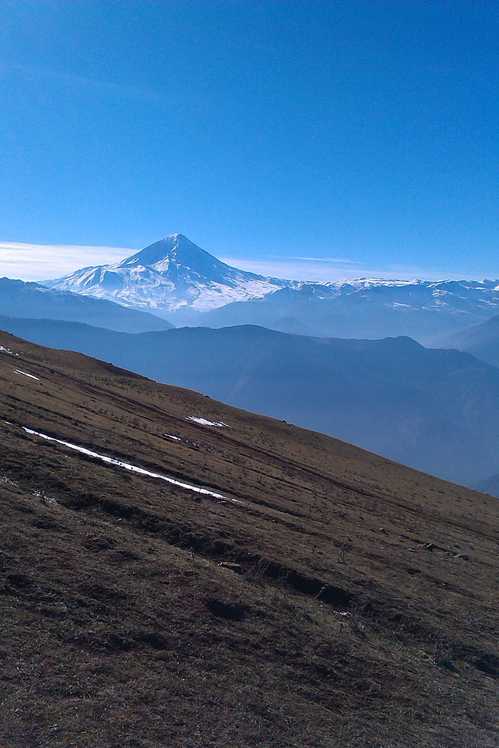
(205, 422)
(170, 436)
(44, 499)
(363, 283)
(5, 481)
(25, 374)
(131, 468)
(3, 349)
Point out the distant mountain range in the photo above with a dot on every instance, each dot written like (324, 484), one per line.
(436, 410)
(33, 300)
(367, 308)
(177, 279)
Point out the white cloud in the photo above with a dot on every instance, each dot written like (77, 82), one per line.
(298, 268)
(313, 268)
(44, 261)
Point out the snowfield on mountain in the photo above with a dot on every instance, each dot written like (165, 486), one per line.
(167, 276)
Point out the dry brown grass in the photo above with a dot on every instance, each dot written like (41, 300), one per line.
(346, 601)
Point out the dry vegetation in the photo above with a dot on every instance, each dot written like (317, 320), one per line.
(343, 601)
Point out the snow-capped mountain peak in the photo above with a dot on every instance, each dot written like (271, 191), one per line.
(169, 275)
(173, 248)
(176, 254)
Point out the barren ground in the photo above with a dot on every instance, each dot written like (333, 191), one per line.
(340, 600)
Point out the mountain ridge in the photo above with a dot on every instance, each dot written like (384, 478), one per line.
(34, 300)
(480, 340)
(174, 277)
(370, 308)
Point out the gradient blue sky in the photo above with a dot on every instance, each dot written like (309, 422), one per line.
(361, 134)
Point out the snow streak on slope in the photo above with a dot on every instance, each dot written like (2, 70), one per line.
(130, 467)
(25, 374)
(205, 422)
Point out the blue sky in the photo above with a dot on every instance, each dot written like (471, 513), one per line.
(314, 138)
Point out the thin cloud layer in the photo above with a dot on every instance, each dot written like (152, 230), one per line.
(299, 268)
(34, 262)
(330, 269)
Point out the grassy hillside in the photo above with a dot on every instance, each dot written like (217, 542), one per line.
(322, 597)
(436, 410)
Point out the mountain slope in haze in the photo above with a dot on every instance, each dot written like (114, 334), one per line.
(171, 275)
(436, 410)
(313, 595)
(480, 340)
(367, 308)
(33, 300)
